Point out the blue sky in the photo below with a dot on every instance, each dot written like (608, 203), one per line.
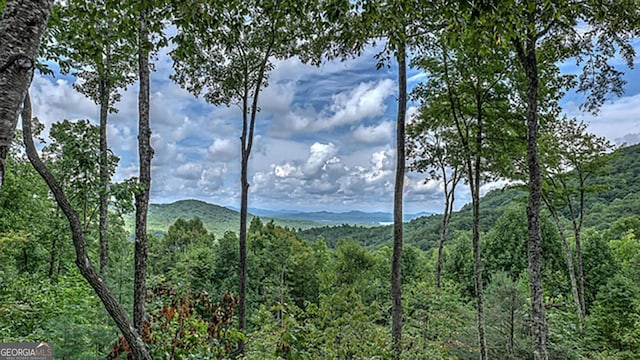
(324, 137)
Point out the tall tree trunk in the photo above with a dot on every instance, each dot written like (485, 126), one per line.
(145, 154)
(577, 232)
(538, 323)
(244, 203)
(21, 28)
(248, 128)
(474, 182)
(115, 310)
(104, 178)
(449, 198)
(583, 306)
(396, 264)
(569, 256)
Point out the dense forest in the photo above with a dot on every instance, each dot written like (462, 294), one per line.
(328, 296)
(547, 267)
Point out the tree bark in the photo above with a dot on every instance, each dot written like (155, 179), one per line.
(246, 139)
(474, 184)
(104, 178)
(145, 154)
(396, 264)
(538, 324)
(21, 28)
(115, 310)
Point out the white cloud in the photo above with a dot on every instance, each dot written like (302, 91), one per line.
(57, 100)
(320, 155)
(366, 100)
(376, 134)
(615, 120)
(189, 171)
(212, 179)
(223, 150)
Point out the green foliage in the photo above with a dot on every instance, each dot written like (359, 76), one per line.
(64, 311)
(188, 326)
(508, 336)
(614, 323)
(440, 324)
(94, 41)
(179, 247)
(216, 219)
(75, 162)
(505, 245)
(599, 265)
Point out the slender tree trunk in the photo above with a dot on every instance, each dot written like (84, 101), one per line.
(104, 178)
(244, 203)
(145, 154)
(569, 256)
(577, 232)
(449, 198)
(396, 264)
(475, 196)
(115, 310)
(538, 323)
(583, 307)
(473, 175)
(246, 139)
(21, 28)
(576, 222)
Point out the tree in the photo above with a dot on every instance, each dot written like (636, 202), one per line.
(74, 158)
(181, 236)
(104, 64)
(83, 262)
(150, 38)
(21, 29)
(573, 156)
(345, 28)
(543, 34)
(431, 154)
(229, 56)
(466, 99)
(505, 246)
(506, 313)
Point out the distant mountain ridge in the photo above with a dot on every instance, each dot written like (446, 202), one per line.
(619, 198)
(353, 217)
(219, 219)
(216, 219)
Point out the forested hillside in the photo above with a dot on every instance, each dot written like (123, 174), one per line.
(616, 196)
(216, 219)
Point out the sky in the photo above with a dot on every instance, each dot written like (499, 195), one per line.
(325, 137)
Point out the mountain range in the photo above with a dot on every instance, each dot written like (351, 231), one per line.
(219, 219)
(619, 197)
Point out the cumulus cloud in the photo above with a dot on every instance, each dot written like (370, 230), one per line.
(189, 171)
(56, 100)
(325, 178)
(366, 100)
(320, 156)
(212, 179)
(623, 113)
(376, 134)
(349, 107)
(223, 149)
